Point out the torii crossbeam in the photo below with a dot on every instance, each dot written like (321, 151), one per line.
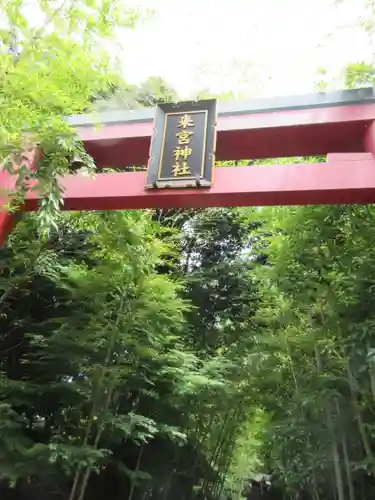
(340, 125)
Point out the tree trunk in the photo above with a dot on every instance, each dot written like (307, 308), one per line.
(136, 470)
(371, 371)
(344, 447)
(348, 468)
(315, 489)
(334, 446)
(336, 459)
(87, 472)
(96, 398)
(357, 412)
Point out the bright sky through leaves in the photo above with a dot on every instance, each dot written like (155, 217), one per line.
(267, 48)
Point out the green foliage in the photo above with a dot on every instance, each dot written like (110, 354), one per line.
(359, 75)
(83, 371)
(105, 368)
(154, 90)
(164, 355)
(52, 63)
(315, 342)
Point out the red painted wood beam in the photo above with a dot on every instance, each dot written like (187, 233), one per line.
(285, 133)
(7, 183)
(343, 179)
(313, 125)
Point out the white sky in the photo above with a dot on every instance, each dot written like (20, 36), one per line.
(259, 48)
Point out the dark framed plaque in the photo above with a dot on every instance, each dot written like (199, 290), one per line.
(182, 152)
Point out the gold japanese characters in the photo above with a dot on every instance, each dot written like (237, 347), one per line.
(182, 152)
(182, 148)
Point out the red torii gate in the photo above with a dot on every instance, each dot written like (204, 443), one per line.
(340, 125)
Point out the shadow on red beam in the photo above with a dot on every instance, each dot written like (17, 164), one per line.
(350, 179)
